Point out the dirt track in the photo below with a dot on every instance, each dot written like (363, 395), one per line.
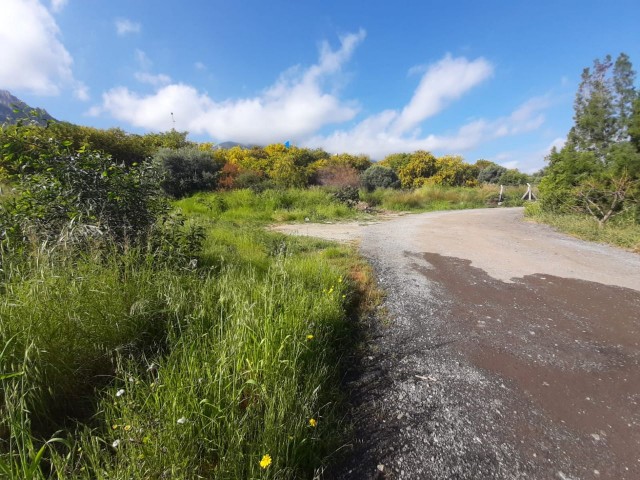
(503, 350)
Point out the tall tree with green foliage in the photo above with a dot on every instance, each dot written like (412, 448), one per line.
(598, 169)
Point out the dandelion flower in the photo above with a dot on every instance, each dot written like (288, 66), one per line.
(182, 421)
(266, 461)
(313, 422)
(115, 443)
(114, 427)
(309, 337)
(120, 392)
(127, 428)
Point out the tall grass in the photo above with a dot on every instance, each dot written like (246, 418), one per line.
(246, 206)
(622, 231)
(127, 368)
(434, 197)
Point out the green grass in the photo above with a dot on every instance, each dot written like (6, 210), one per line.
(248, 207)
(430, 198)
(128, 368)
(621, 231)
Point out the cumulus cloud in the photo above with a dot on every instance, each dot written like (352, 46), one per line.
(58, 5)
(295, 106)
(153, 79)
(443, 82)
(377, 135)
(124, 26)
(33, 56)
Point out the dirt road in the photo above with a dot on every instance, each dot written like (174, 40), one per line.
(503, 350)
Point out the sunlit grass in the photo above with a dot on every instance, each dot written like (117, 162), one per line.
(621, 231)
(137, 370)
(433, 197)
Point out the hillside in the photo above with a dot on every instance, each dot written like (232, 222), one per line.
(13, 109)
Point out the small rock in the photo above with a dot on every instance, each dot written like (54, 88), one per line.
(595, 436)
(596, 472)
(380, 467)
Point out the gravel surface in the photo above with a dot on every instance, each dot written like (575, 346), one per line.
(502, 350)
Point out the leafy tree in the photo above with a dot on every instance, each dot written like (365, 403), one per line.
(378, 176)
(625, 94)
(490, 173)
(513, 176)
(598, 169)
(186, 170)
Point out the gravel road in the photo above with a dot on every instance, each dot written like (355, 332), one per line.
(503, 350)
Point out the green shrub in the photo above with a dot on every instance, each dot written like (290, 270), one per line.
(491, 173)
(186, 170)
(378, 176)
(68, 196)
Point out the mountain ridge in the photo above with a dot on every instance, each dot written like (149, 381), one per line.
(12, 110)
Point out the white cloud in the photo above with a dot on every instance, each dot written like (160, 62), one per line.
(151, 79)
(200, 66)
(443, 82)
(124, 26)
(295, 106)
(58, 5)
(377, 137)
(33, 56)
(81, 91)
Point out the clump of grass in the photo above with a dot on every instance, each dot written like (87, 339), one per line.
(621, 231)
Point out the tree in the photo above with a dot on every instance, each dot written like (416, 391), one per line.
(625, 94)
(491, 173)
(598, 169)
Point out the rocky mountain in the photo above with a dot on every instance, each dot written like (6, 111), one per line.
(13, 109)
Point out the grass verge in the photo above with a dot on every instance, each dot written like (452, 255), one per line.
(116, 366)
(621, 231)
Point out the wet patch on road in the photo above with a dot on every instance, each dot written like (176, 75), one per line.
(568, 352)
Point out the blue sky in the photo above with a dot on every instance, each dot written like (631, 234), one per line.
(490, 79)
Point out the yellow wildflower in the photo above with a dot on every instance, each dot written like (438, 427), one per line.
(127, 428)
(309, 337)
(313, 422)
(266, 461)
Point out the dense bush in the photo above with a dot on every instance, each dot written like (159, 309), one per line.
(378, 176)
(67, 195)
(186, 170)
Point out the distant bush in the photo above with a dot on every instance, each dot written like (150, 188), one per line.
(491, 173)
(337, 176)
(186, 170)
(347, 195)
(378, 176)
(514, 177)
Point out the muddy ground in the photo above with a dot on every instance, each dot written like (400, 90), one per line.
(502, 350)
